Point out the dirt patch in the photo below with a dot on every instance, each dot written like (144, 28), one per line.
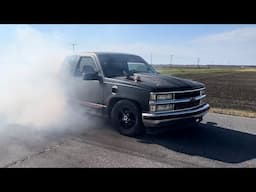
(228, 90)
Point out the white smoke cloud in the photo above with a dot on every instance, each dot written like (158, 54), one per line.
(31, 93)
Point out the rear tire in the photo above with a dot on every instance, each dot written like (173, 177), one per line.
(126, 118)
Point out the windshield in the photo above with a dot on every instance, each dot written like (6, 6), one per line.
(114, 65)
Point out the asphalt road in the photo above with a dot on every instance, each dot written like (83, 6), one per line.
(219, 141)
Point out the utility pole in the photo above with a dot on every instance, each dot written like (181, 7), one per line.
(73, 45)
(198, 61)
(171, 59)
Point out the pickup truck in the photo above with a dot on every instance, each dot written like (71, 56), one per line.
(131, 93)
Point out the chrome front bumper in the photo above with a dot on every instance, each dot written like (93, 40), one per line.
(158, 119)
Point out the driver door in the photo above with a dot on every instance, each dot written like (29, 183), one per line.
(88, 92)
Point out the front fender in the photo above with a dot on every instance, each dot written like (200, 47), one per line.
(137, 94)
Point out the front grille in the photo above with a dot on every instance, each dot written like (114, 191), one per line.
(182, 100)
(179, 106)
(187, 95)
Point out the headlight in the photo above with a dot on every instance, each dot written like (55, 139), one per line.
(164, 107)
(154, 96)
(165, 96)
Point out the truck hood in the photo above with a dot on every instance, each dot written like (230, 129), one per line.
(157, 82)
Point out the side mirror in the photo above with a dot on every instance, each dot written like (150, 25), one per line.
(91, 76)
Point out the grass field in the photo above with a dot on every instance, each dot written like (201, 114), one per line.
(229, 90)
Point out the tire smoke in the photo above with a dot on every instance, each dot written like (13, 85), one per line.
(31, 91)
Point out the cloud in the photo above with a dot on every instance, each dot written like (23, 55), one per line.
(231, 47)
(241, 35)
(235, 47)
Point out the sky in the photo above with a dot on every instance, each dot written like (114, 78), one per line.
(157, 44)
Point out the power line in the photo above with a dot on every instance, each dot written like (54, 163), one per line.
(198, 62)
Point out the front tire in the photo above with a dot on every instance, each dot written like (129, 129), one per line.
(126, 118)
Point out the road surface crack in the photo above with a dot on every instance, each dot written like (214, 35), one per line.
(19, 161)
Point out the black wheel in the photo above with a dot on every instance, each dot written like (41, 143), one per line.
(126, 118)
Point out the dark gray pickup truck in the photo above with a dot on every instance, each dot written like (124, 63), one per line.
(131, 93)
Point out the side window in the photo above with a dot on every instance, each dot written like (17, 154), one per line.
(86, 65)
